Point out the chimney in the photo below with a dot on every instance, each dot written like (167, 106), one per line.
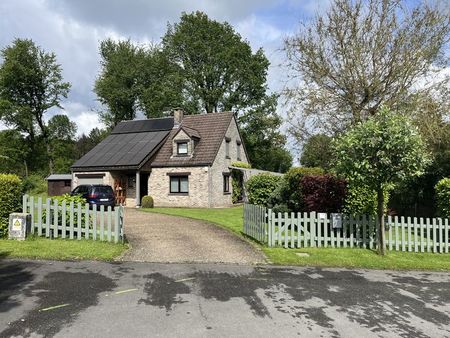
(177, 117)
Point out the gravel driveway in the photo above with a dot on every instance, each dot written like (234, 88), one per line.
(163, 238)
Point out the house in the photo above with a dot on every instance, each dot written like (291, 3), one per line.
(58, 184)
(181, 161)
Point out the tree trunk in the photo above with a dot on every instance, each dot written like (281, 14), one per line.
(50, 159)
(381, 232)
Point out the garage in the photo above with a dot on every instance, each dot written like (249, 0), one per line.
(90, 178)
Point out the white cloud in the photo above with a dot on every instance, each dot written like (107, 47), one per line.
(73, 29)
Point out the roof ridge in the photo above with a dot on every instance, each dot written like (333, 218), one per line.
(150, 119)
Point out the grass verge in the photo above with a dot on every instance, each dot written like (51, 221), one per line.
(232, 219)
(61, 249)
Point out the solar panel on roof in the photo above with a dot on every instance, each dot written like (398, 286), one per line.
(138, 126)
(121, 150)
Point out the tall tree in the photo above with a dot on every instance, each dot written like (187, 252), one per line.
(160, 84)
(62, 142)
(116, 86)
(264, 142)
(219, 69)
(86, 142)
(379, 154)
(317, 152)
(14, 153)
(361, 55)
(31, 83)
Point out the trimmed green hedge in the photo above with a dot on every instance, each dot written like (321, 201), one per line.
(10, 199)
(260, 188)
(442, 189)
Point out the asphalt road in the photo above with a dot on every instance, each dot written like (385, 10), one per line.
(94, 299)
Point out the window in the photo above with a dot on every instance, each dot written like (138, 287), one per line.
(179, 184)
(227, 147)
(238, 150)
(182, 148)
(226, 182)
(67, 183)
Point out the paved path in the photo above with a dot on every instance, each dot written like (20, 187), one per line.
(163, 238)
(130, 299)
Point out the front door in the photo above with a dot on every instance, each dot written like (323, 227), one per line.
(144, 184)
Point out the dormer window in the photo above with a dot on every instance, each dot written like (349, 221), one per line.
(182, 148)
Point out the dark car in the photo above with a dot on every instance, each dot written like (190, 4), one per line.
(96, 194)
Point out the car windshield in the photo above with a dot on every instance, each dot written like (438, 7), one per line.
(103, 190)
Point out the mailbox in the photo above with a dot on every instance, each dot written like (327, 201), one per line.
(336, 221)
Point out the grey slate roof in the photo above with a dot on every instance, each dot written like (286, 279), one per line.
(129, 145)
(59, 177)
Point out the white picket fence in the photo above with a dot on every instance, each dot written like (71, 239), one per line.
(301, 230)
(72, 221)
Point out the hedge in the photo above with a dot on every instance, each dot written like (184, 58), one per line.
(10, 199)
(360, 200)
(67, 198)
(442, 189)
(325, 193)
(291, 189)
(260, 187)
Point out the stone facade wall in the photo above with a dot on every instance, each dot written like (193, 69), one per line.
(221, 165)
(159, 187)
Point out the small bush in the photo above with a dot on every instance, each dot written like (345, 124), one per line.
(291, 192)
(324, 193)
(34, 185)
(147, 202)
(260, 187)
(67, 198)
(10, 199)
(442, 189)
(237, 179)
(241, 165)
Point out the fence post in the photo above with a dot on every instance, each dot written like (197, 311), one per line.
(47, 217)
(312, 222)
(117, 225)
(32, 212)
(64, 219)
(55, 218)
(24, 203)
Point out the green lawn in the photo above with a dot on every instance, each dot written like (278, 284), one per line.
(60, 249)
(232, 219)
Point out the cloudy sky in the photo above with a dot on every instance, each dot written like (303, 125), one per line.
(73, 28)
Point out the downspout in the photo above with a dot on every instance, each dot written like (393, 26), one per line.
(209, 187)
